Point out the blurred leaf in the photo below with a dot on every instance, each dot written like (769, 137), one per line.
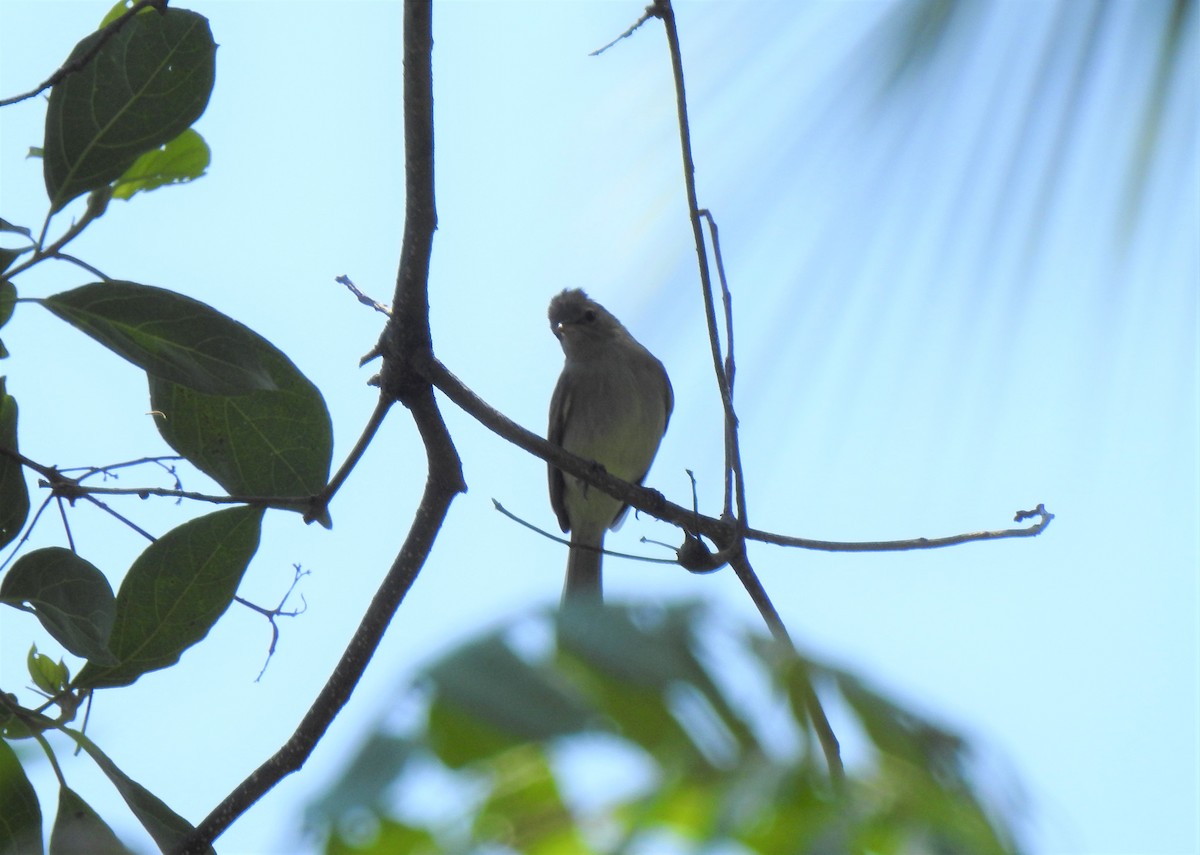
(79, 830)
(754, 800)
(71, 598)
(910, 805)
(20, 814)
(608, 647)
(14, 494)
(143, 88)
(525, 810)
(268, 443)
(391, 837)
(378, 763)
(903, 734)
(6, 226)
(174, 593)
(168, 335)
(182, 159)
(488, 699)
(167, 828)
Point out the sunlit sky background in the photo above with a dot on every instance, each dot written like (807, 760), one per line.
(951, 303)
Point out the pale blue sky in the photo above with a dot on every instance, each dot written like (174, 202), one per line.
(911, 363)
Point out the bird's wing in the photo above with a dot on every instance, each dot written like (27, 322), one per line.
(559, 403)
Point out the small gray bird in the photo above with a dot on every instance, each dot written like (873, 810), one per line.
(611, 405)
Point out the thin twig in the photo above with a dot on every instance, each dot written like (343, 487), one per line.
(646, 16)
(724, 371)
(565, 542)
(732, 463)
(362, 298)
(320, 503)
(1043, 515)
(276, 612)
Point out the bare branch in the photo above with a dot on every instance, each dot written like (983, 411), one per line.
(1044, 518)
(405, 343)
(362, 298)
(646, 16)
(565, 542)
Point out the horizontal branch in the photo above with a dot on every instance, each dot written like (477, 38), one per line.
(654, 503)
(1044, 518)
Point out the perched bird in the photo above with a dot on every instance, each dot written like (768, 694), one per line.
(611, 405)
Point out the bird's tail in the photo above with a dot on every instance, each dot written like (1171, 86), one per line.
(583, 574)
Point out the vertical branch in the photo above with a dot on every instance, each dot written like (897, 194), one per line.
(406, 340)
(725, 373)
(732, 462)
(406, 346)
(663, 10)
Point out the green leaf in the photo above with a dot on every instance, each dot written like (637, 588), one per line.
(6, 226)
(182, 159)
(7, 257)
(71, 598)
(174, 593)
(365, 781)
(79, 830)
(20, 814)
(118, 9)
(169, 335)
(608, 648)
(276, 443)
(488, 699)
(168, 828)
(8, 299)
(525, 811)
(389, 838)
(14, 494)
(901, 733)
(144, 87)
(49, 676)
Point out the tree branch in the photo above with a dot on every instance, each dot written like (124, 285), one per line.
(406, 342)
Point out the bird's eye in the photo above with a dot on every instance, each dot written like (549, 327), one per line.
(589, 316)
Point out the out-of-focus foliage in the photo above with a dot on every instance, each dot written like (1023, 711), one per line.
(697, 730)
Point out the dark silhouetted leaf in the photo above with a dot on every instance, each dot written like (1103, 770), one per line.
(276, 443)
(71, 598)
(79, 830)
(6, 226)
(168, 335)
(14, 494)
(168, 828)
(145, 87)
(20, 815)
(174, 593)
(7, 257)
(8, 298)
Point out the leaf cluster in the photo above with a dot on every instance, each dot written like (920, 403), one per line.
(119, 122)
(712, 764)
